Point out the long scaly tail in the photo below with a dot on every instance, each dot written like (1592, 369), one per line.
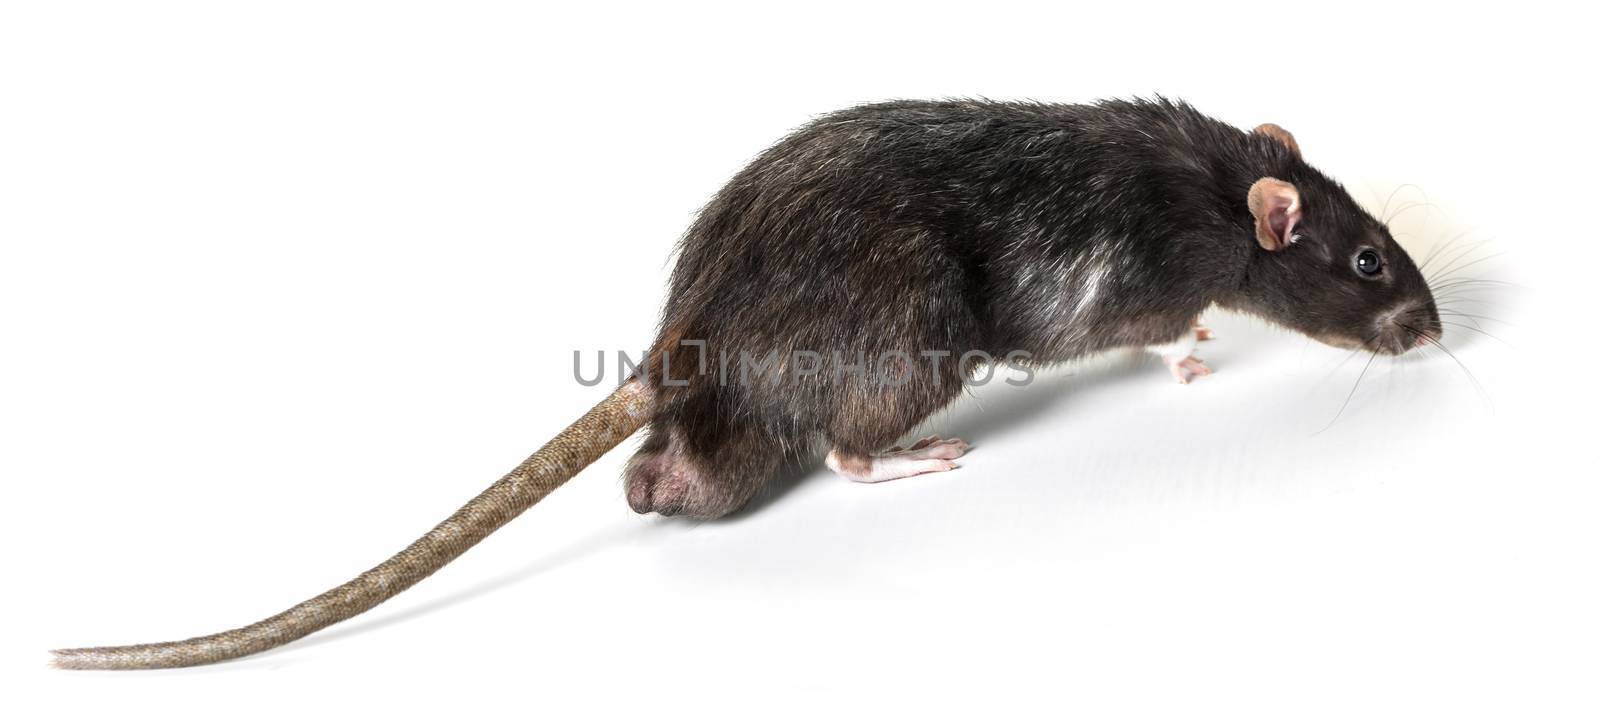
(604, 427)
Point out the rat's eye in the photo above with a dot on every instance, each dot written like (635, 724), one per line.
(1368, 263)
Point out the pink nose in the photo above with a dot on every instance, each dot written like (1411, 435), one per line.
(1420, 342)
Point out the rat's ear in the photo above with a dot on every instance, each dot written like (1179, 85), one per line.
(1276, 206)
(1279, 134)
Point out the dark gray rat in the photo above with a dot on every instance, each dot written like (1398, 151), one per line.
(839, 286)
(956, 226)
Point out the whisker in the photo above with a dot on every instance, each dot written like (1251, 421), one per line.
(1385, 213)
(1475, 281)
(1454, 299)
(1462, 252)
(1478, 331)
(1476, 316)
(1482, 392)
(1465, 287)
(1408, 208)
(1438, 249)
(1386, 200)
(1341, 365)
(1352, 393)
(1359, 377)
(1463, 266)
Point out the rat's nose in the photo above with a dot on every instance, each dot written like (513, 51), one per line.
(1408, 327)
(1429, 328)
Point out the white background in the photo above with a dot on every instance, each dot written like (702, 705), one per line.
(283, 285)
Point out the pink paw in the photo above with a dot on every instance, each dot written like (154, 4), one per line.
(931, 448)
(929, 454)
(1187, 369)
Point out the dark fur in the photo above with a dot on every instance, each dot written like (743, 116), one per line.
(970, 225)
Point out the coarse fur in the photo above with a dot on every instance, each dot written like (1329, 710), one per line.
(910, 226)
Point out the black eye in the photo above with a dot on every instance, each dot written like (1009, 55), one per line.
(1368, 263)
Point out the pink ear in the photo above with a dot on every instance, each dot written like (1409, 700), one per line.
(1276, 206)
(1279, 134)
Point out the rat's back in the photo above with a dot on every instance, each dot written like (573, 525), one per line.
(875, 234)
(971, 222)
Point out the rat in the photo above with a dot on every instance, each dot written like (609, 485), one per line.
(889, 240)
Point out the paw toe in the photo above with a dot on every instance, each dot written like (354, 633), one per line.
(947, 449)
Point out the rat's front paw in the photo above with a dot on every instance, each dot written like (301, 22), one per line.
(1186, 369)
(1179, 355)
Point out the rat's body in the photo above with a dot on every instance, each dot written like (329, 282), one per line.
(1058, 230)
(892, 239)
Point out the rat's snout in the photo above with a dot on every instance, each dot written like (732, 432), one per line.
(1407, 326)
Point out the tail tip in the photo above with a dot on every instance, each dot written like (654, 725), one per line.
(74, 659)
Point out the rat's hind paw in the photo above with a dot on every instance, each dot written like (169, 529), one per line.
(1187, 369)
(929, 454)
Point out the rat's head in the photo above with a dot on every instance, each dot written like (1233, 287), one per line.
(1327, 268)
